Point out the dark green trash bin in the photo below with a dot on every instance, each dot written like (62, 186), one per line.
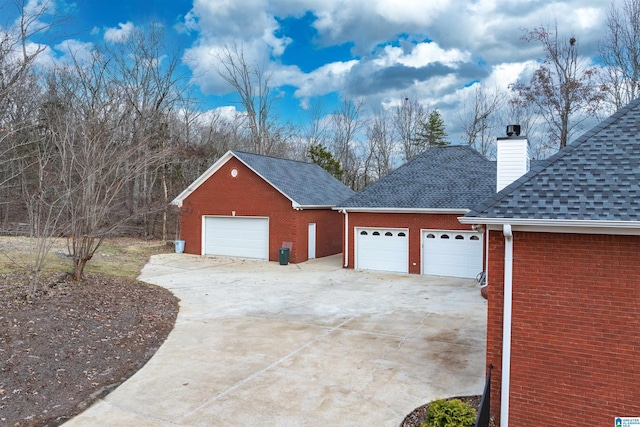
(284, 256)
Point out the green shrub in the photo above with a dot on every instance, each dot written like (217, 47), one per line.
(449, 413)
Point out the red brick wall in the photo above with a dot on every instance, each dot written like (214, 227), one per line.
(575, 330)
(414, 222)
(249, 195)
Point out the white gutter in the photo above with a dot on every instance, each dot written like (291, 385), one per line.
(506, 325)
(550, 222)
(346, 237)
(404, 210)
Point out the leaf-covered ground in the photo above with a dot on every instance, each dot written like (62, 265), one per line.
(74, 342)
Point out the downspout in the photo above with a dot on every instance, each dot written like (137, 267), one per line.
(506, 325)
(346, 238)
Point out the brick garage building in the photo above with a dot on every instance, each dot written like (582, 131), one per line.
(564, 283)
(407, 222)
(247, 205)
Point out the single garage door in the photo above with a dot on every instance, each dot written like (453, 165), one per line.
(451, 253)
(245, 237)
(382, 249)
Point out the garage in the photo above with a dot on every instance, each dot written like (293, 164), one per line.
(245, 237)
(451, 253)
(382, 249)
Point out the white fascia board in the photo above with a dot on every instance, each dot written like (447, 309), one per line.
(213, 169)
(202, 178)
(313, 206)
(559, 225)
(404, 210)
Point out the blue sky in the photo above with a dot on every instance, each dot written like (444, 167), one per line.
(377, 50)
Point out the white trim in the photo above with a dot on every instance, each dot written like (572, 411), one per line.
(346, 239)
(221, 162)
(404, 210)
(552, 222)
(623, 231)
(506, 325)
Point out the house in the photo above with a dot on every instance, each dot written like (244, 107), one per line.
(248, 205)
(564, 283)
(407, 222)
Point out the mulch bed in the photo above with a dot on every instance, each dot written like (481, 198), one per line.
(415, 418)
(74, 342)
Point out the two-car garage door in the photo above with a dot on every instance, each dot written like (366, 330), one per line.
(245, 237)
(443, 252)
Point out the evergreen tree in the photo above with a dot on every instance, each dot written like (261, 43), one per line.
(432, 132)
(322, 157)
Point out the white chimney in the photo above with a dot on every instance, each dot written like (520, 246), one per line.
(513, 157)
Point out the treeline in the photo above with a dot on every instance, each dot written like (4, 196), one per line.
(99, 141)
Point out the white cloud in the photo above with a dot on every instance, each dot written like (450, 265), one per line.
(119, 34)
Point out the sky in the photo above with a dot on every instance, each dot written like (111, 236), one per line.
(381, 51)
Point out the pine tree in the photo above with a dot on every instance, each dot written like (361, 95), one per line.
(322, 157)
(432, 132)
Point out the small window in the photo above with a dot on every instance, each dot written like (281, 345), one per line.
(444, 236)
(431, 236)
(388, 233)
(474, 238)
(364, 233)
(401, 234)
(459, 237)
(375, 233)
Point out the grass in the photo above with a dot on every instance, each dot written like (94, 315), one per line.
(118, 257)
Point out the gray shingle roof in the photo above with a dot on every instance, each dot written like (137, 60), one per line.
(305, 183)
(452, 177)
(596, 177)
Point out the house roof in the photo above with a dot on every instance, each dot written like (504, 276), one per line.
(305, 184)
(595, 178)
(452, 178)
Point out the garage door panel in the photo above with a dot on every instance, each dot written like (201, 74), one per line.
(451, 253)
(244, 237)
(382, 249)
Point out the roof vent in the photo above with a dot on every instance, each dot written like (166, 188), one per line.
(513, 130)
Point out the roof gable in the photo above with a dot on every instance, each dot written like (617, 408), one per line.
(440, 178)
(305, 184)
(595, 178)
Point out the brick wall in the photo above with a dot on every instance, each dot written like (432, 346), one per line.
(249, 195)
(414, 222)
(575, 331)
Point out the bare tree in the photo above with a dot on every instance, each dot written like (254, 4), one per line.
(407, 120)
(252, 84)
(478, 119)
(347, 122)
(90, 126)
(564, 88)
(620, 53)
(382, 146)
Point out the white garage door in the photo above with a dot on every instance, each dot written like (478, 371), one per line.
(451, 253)
(244, 237)
(382, 249)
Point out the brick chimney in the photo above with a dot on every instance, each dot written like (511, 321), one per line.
(512, 156)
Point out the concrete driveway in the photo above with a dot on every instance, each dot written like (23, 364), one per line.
(261, 344)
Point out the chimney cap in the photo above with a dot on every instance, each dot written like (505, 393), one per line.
(513, 130)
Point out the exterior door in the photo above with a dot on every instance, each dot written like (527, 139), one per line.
(312, 241)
